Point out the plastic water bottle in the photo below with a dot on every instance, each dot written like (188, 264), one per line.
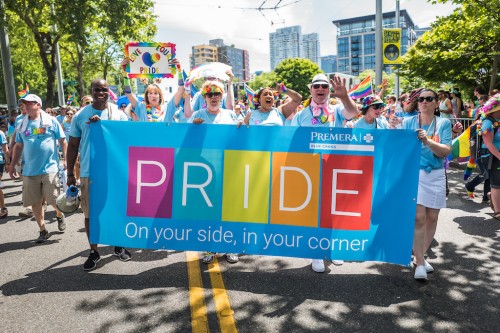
(71, 194)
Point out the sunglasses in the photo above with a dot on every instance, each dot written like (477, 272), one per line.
(69, 114)
(324, 86)
(97, 90)
(377, 106)
(428, 99)
(87, 103)
(216, 94)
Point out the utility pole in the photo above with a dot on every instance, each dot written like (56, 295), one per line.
(60, 88)
(8, 74)
(378, 44)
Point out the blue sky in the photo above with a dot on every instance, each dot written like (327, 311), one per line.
(193, 22)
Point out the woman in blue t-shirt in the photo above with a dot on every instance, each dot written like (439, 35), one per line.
(491, 139)
(435, 134)
(371, 110)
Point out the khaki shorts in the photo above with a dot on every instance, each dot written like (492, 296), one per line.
(35, 188)
(85, 196)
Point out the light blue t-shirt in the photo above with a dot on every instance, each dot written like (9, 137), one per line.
(379, 123)
(60, 118)
(40, 152)
(3, 140)
(66, 126)
(334, 119)
(80, 128)
(487, 126)
(198, 102)
(225, 116)
(439, 130)
(272, 118)
(18, 121)
(164, 114)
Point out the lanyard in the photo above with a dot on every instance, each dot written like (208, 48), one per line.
(432, 122)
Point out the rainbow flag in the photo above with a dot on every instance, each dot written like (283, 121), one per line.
(112, 95)
(250, 94)
(185, 78)
(460, 147)
(71, 98)
(363, 89)
(25, 92)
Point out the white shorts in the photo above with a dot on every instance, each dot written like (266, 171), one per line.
(432, 189)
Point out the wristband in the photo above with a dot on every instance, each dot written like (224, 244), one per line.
(126, 86)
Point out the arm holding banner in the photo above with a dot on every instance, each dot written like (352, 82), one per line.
(289, 107)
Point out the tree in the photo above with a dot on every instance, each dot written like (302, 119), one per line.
(77, 25)
(462, 48)
(297, 73)
(263, 80)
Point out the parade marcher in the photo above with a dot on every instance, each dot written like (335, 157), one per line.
(227, 102)
(321, 113)
(372, 111)
(213, 91)
(86, 100)
(5, 161)
(435, 134)
(445, 107)
(490, 153)
(79, 140)
(36, 140)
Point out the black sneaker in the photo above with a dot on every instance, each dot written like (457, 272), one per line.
(44, 235)
(122, 253)
(92, 261)
(61, 224)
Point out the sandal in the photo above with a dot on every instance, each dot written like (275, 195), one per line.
(496, 216)
(3, 213)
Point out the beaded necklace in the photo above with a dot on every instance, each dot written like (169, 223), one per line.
(153, 115)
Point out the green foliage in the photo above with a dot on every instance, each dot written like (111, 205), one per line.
(263, 80)
(460, 49)
(297, 73)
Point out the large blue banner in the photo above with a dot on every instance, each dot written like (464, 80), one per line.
(283, 191)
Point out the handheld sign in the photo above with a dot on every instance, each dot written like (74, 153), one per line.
(150, 60)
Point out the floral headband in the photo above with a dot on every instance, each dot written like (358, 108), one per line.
(371, 100)
(212, 89)
(492, 105)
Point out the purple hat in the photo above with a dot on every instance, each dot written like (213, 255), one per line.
(371, 100)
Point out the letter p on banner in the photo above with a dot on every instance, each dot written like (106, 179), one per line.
(150, 184)
(347, 192)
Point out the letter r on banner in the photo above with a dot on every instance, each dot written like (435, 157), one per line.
(347, 192)
(150, 183)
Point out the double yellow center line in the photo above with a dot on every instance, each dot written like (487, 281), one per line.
(199, 319)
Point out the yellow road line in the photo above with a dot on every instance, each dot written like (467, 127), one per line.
(199, 320)
(222, 305)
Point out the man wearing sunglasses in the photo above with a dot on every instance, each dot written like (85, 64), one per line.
(321, 113)
(79, 139)
(36, 139)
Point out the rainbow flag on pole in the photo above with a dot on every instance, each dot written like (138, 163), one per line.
(25, 92)
(363, 89)
(460, 147)
(250, 94)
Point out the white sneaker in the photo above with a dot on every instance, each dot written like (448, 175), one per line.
(420, 273)
(318, 265)
(338, 262)
(428, 267)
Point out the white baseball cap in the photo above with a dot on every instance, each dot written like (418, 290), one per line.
(30, 98)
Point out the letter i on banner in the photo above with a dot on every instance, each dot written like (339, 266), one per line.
(347, 192)
(150, 182)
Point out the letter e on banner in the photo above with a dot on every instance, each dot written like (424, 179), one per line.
(347, 192)
(150, 184)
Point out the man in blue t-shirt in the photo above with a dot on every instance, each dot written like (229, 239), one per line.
(36, 139)
(79, 140)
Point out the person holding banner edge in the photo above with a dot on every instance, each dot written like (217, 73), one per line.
(320, 113)
(79, 140)
(435, 134)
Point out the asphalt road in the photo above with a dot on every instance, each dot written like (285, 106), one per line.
(44, 288)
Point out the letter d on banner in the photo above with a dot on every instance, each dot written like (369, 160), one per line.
(150, 182)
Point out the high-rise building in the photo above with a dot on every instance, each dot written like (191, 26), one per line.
(356, 40)
(310, 46)
(217, 51)
(290, 43)
(329, 64)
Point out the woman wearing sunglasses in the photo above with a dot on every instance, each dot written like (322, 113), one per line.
(212, 92)
(371, 110)
(435, 134)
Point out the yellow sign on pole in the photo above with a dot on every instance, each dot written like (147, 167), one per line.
(392, 46)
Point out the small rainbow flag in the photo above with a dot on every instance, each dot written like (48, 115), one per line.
(71, 98)
(250, 94)
(25, 92)
(363, 89)
(185, 78)
(460, 147)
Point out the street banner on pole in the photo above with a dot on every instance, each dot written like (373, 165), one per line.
(284, 191)
(392, 46)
